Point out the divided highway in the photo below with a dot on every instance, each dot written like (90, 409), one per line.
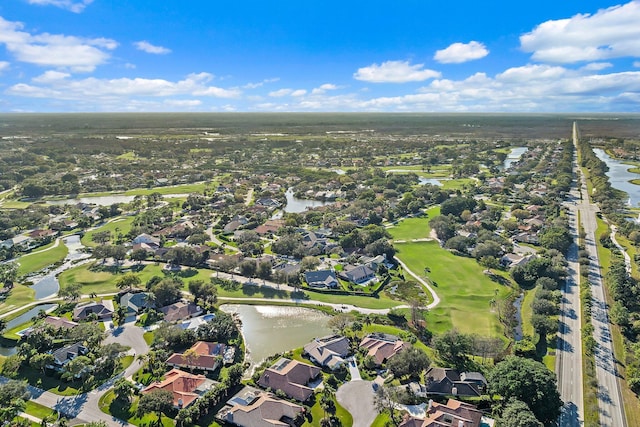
(610, 403)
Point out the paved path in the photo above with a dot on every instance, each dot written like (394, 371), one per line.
(357, 398)
(436, 298)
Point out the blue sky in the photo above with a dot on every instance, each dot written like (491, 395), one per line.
(402, 56)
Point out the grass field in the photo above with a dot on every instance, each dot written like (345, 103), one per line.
(35, 262)
(414, 228)
(14, 204)
(38, 410)
(464, 289)
(130, 155)
(19, 296)
(123, 225)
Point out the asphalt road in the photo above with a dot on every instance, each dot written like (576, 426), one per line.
(569, 351)
(609, 395)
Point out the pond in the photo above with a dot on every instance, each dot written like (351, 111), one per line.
(47, 285)
(619, 176)
(432, 181)
(295, 205)
(268, 330)
(514, 155)
(24, 318)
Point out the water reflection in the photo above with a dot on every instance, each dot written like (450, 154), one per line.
(269, 329)
(619, 176)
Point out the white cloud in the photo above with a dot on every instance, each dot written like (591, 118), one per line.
(59, 86)
(4, 65)
(395, 72)
(461, 52)
(280, 93)
(597, 66)
(73, 6)
(145, 46)
(299, 92)
(183, 103)
(260, 84)
(323, 88)
(51, 76)
(609, 33)
(55, 50)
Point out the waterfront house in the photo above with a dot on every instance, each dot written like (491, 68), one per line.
(291, 377)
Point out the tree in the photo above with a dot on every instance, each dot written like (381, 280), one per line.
(385, 401)
(248, 268)
(123, 389)
(71, 292)
(13, 397)
(8, 274)
(158, 401)
(410, 361)
(264, 270)
(40, 361)
(452, 347)
(167, 291)
(139, 255)
(517, 414)
(340, 322)
(128, 281)
(78, 367)
(529, 381)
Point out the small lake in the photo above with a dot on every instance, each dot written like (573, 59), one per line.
(295, 205)
(48, 285)
(105, 200)
(432, 181)
(514, 155)
(619, 176)
(270, 329)
(24, 318)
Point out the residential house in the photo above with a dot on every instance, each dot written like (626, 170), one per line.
(328, 351)
(270, 227)
(153, 242)
(268, 202)
(206, 356)
(358, 274)
(195, 322)
(59, 322)
(382, 347)
(66, 354)
(184, 387)
(136, 302)
(291, 377)
(321, 279)
(103, 309)
(255, 408)
(454, 413)
(180, 310)
(446, 381)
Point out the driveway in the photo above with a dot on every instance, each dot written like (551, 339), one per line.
(353, 369)
(356, 396)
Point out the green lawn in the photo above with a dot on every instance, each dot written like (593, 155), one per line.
(414, 228)
(19, 296)
(110, 406)
(465, 291)
(14, 204)
(526, 312)
(38, 410)
(32, 263)
(118, 225)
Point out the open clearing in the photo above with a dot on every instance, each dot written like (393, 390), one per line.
(464, 289)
